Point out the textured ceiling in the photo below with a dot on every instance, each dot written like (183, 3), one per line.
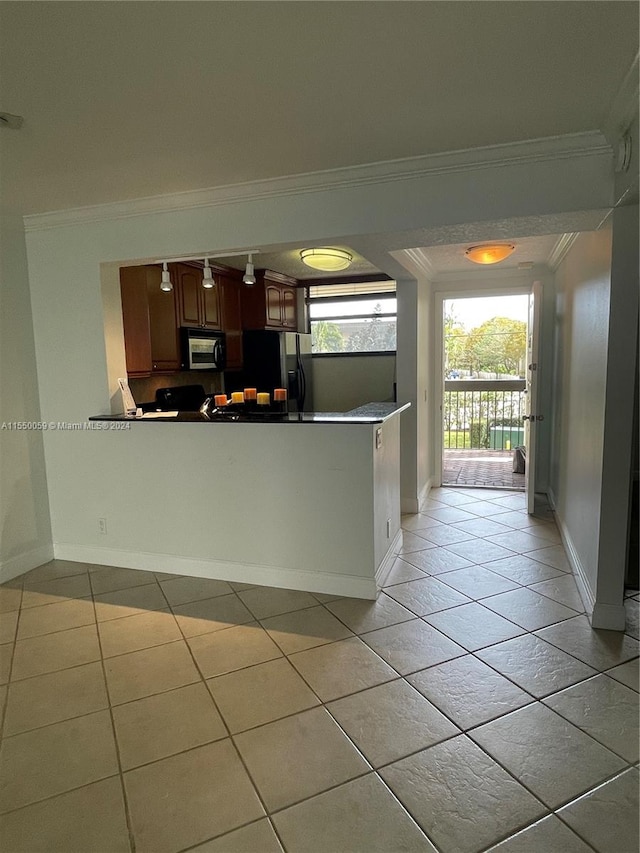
(445, 258)
(288, 262)
(124, 100)
(451, 258)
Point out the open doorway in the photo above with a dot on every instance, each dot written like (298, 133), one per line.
(484, 395)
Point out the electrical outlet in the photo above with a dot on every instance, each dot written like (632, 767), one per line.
(378, 438)
(102, 525)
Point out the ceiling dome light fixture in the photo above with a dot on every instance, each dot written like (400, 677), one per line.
(165, 284)
(490, 253)
(249, 275)
(208, 280)
(328, 260)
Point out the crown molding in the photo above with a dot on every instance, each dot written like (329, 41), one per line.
(562, 246)
(624, 106)
(415, 261)
(529, 151)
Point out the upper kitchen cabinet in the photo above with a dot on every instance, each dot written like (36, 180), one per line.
(228, 287)
(198, 307)
(149, 322)
(271, 303)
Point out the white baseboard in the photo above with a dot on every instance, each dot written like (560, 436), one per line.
(22, 563)
(580, 577)
(609, 617)
(424, 494)
(388, 561)
(412, 505)
(409, 506)
(354, 586)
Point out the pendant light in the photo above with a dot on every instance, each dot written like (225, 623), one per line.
(490, 253)
(208, 280)
(165, 284)
(249, 276)
(327, 259)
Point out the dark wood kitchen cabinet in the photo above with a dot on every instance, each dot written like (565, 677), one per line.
(149, 321)
(198, 307)
(165, 342)
(271, 303)
(230, 291)
(152, 317)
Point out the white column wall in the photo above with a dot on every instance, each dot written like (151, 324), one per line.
(25, 528)
(583, 282)
(407, 366)
(619, 436)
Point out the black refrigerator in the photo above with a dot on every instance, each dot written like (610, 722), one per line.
(276, 360)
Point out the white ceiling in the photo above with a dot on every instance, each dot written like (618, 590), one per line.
(124, 100)
(287, 261)
(446, 258)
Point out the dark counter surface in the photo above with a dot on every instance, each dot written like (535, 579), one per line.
(371, 413)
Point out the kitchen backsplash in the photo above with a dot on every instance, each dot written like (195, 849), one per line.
(144, 390)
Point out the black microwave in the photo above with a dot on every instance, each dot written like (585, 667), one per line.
(202, 349)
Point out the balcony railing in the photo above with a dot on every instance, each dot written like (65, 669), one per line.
(483, 415)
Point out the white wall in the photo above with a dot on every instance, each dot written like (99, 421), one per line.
(25, 530)
(407, 359)
(77, 361)
(277, 504)
(341, 383)
(583, 282)
(620, 440)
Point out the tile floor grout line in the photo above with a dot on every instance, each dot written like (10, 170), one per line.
(586, 731)
(226, 726)
(579, 797)
(190, 749)
(521, 782)
(367, 772)
(198, 844)
(509, 678)
(60, 794)
(406, 810)
(566, 652)
(473, 654)
(116, 745)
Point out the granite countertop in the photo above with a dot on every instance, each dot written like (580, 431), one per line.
(370, 413)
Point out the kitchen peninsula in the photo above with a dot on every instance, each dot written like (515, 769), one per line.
(307, 501)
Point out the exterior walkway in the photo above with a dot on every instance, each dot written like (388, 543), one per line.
(489, 468)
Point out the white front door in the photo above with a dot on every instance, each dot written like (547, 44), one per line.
(532, 415)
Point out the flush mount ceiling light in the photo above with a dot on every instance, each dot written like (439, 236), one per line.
(208, 280)
(249, 275)
(491, 253)
(165, 284)
(328, 260)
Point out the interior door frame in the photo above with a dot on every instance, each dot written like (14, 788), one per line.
(532, 403)
(461, 289)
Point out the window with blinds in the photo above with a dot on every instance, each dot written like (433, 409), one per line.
(353, 318)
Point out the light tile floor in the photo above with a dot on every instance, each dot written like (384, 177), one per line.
(471, 708)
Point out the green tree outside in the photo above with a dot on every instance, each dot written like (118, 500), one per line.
(496, 346)
(326, 337)
(375, 335)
